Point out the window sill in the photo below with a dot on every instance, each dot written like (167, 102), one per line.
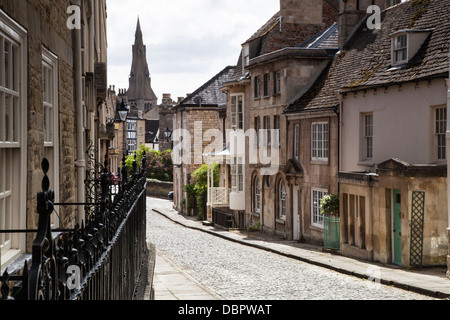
(13, 260)
(366, 163)
(281, 220)
(320, 162)
(317, 227)
(256, 214)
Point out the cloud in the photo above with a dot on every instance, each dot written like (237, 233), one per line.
(188, 42)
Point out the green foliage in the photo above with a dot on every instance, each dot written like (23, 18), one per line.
(199, 188)
(159, 163)
(329, 206)
(254, 227)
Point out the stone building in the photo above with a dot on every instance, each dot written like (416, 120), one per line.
(193, 117)
(166, 121)
(141, 101)
(140, 93)
(386, 91)
(53, 88)
(393, 165)
(275, 65)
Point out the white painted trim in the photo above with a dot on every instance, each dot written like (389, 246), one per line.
(12, 30)
(51, 60)
(325, 192)
(320, 159)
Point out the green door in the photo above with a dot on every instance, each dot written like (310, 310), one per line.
(397, 227)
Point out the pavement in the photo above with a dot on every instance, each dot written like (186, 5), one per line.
(172, 283)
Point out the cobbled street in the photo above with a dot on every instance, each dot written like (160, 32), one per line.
(237, 272)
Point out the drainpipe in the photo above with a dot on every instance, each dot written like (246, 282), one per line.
(81, 161)
(262, 202)
(448, 177)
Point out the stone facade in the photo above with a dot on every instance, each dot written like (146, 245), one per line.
(279, 66)
(195, 122)
(140, 93)
(48, 41)
(165, 121)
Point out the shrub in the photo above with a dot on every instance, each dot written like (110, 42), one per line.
(159, 163)
(329, 206)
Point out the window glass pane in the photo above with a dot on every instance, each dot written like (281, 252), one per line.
(441, 128)
(8, 117)
(15, 71)
(6, 61)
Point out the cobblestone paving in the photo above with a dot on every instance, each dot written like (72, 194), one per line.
(237, 272)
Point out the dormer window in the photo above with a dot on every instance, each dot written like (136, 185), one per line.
(400, 54)
(406, 44)
(245, 56)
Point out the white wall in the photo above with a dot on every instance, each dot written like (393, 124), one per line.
(403, 124)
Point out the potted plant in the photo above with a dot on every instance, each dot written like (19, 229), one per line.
(329, 207)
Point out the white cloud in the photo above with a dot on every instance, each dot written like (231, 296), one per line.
(188, 42)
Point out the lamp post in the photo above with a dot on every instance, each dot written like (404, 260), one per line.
(168, 135)
(123, 114)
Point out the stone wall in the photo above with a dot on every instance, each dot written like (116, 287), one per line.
(159, 189)
(45, 22)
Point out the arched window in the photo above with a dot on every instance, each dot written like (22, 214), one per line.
(256, 195)
(282, 200)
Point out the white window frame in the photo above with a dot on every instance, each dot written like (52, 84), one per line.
(282, 200)
(258, 130)
(296, 142)
(246, 55)
(277, 83)
(237, 175)
(267, 130)
(132, 135)
(368, 138)
(316, 215)
(237, 111)
(266, 85)
(51, 120)
(320, 141)
(257, 87)
(399, 48)
(14, 152)
(440, 130)
(277, 130)
(257, 195)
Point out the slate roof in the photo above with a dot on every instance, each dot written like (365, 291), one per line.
(151, 130)
(210, 94)
(268, 38)
(328, 38)
(365, 61)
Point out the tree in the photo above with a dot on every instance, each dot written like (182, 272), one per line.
(199, 189)
(159, 163)
(329, 206)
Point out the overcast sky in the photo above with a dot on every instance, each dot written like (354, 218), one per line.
(188, 42)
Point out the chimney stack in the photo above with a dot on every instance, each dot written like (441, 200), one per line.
(302, 11)
(351, 14)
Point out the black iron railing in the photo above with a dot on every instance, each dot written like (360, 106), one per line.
(102, 258)
(222, 218)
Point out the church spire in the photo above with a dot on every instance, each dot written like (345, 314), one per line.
(138, 35)
(140, 90)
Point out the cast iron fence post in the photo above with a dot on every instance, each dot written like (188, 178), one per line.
(106, 252)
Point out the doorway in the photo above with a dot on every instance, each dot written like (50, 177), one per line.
(397, 227)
